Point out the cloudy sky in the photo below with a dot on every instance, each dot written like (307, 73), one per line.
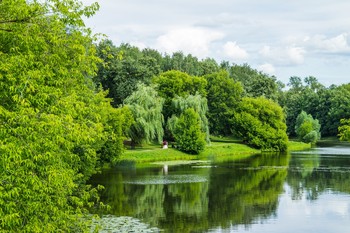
(282, 38)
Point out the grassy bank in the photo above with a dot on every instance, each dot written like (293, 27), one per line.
(295, 146)
(217, 148)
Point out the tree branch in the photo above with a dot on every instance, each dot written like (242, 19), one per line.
(6, 30)
(14, 21)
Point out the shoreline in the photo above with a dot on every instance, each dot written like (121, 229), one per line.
(236, 150)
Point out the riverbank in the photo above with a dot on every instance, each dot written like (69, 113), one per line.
(223, 148)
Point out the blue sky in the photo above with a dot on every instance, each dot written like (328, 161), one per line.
(281, 38)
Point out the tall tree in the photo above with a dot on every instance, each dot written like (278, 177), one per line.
(52, 122)
(255, 83)
(304, 95)
(339, 107)
(176, 83)
(146, 107)
(123, 67)
(224, 95)
(189, 64)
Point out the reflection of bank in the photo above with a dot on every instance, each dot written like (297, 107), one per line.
(247, 192)
(321, 170)
(197, 198)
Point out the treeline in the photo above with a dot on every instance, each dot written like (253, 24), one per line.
(230, 90)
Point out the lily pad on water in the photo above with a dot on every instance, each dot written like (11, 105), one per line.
(168, 179)
(114, 224)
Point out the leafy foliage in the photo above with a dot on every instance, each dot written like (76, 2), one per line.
(307, 128)
(344, 130)
(223, 94)
(175, 83)
(255, 83)
(198, 104)
(146, 107)
(261, 123)
(188, 134)
(307, 95)
(189, 64)
(52, 122)
(339, 101)
(122, 68)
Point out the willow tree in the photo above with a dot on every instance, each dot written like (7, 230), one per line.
(146, 107)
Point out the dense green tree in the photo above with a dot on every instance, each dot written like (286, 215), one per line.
(146, 107)
(189, 64)
(339, 108)
(223, 95)
(304, 95)
(208, 66)
(344, 130)
(307, 128)
(255, 83)
(123, 67)
(117, 125)
(176, 83)
(188, 133)
(261, 123)
(198, 104)
(52, 122)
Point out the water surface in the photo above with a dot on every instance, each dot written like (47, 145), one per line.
(308, 191)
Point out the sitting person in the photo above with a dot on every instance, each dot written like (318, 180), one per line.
(165, 144)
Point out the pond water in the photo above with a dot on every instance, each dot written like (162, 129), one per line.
(308, 191)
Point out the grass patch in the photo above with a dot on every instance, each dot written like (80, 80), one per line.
(296, 146)
(225, 139)
(154, 153)
(219, 148)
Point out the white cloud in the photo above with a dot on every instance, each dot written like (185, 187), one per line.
(138, 44)
(232, 50)
(283, 55)
(293, 31)
(192, 40)
(267, 68)
(295, 54)
(337, 44)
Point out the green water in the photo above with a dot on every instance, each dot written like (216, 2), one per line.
(307, 191)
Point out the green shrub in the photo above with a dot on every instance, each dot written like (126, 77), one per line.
(307, 128)
(188, 134)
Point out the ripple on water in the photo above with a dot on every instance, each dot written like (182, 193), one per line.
(326, 151)
(168, 179)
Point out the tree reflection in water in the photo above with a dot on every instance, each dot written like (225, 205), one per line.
(205, 197)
